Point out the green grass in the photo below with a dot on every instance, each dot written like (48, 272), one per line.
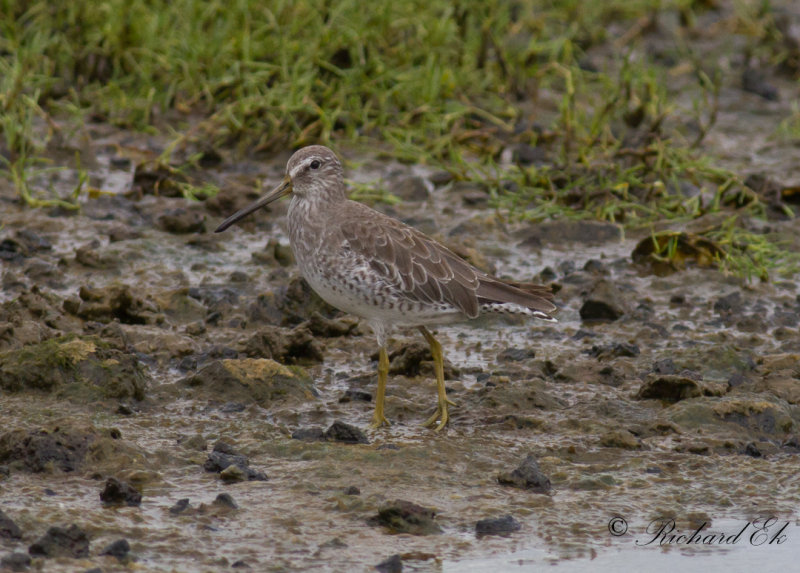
(448, 82)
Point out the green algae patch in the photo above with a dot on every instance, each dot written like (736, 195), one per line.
(67, 446)
(259, 380)
(766, 414)
(747, 415)
(74, 367)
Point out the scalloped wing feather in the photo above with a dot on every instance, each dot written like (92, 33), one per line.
(427, 271)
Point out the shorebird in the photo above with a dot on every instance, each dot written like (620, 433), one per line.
(384, 271)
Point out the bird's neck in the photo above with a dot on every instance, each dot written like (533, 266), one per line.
(309, 215)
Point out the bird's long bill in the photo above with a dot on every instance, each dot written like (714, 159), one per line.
(283, 189)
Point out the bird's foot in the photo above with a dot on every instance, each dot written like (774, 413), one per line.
(378, 420)
(440, 415)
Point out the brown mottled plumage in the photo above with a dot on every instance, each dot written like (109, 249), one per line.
(376, 267)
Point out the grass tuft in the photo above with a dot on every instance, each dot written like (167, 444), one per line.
(467, 86)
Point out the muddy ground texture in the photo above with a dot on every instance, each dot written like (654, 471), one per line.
(150, 361)
(174, 399)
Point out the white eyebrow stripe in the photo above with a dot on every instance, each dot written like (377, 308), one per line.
(300, 167)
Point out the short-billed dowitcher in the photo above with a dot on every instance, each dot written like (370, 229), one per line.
(376, 267)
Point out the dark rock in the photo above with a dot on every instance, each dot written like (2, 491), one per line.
(240, 564)
(329, 327)
(412, 188)
(302, 347)
(85, 367)
(604, 302)
(232, 197)
(209, 157)
(393, 564)
(526, 476)
(669, 387)
(525, 154)
(757, 413)
(615, 350)
(9, 529)
(475, 198)
(15, 562)
(117, 492)
(282, 252)
(114, 302)
(583, 334)
(664, 366)
(561, 232)
(547, 275)
(88, 256)
(754, 81)
(119, 549)
(345, 433)
(220, 462)
(40, 450)
(182, 308)
(309, 434)
(334, 543)
(786, 318)
(233, 474)
(123, 233)
(295, 346)
(497, 526)
(214, 297)
(248, 380)
(60, 542)
(25, 243)
(355, 395)
(124, 410)
(566, 267)
(233, 408)
(752, 450)
(155, 178)
(406, 517)
(516, 354)
(752, 323)
(644, 312)
(595, 267)
(225, 500)
(729, 304)
(620, 439)
(775, 194)
(439, 178)
(224, 447)
(415, 359)
(267, 342)
(11, 250)
(677, 299)
(737, 379)
(351, 490)
(180, 506)
(182, 221)
(468, 187)
(194, 442)
(693, 374)
(792, 443)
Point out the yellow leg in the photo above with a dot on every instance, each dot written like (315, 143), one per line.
(438, 363)
(378, 419)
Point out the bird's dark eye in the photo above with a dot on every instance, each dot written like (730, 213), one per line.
(315, 164)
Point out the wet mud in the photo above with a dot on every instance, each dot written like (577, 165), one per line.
(176, 400)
